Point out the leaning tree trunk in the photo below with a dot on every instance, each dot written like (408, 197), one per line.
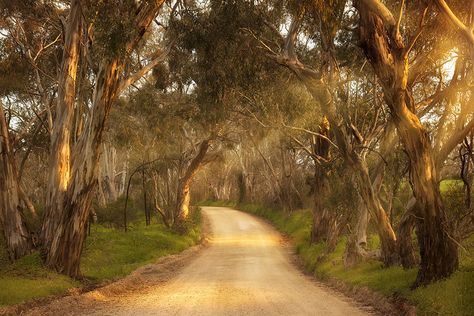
(184, 185)
(388, 240)
(17, 237)
(388, 55)
(320, 92)
(65, 232)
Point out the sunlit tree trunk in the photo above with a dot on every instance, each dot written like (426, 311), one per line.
(386, 52)
(16, 234)
(184, 185)
(68, 237)
(60, 148)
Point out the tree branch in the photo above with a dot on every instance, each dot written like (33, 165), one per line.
(125, 83)
(461, 28)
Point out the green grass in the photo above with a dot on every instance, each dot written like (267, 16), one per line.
(108, 254)
(453, 296)
(111, 253)
(27, 279)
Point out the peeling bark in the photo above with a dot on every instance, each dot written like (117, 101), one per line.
(60, 148)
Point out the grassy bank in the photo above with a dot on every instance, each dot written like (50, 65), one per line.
(109, 254)
(453, 296)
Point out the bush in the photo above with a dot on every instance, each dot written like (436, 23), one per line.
(112, 215)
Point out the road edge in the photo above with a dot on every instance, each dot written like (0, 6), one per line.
(168, 266)
(361, 295)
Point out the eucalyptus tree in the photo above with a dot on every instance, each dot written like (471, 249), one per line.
(26, 93)
(170, 142)
(388, 50)
(210, 42)
(320, 85)
(114, 33)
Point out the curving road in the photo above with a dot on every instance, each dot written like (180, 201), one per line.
(245, 270)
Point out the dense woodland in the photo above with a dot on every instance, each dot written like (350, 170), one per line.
(359, 110)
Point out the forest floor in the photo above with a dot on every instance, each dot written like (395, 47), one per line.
(244, 269)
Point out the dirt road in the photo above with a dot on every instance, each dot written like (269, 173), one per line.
(245, 270)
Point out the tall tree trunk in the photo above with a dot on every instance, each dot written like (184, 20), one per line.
(64, 228)
(60, 148)
(242, 178)
(405, 244)
(388, 240)
(386, 52)
(321, 216)
(17, 236)
(321, 94)
(355, 249)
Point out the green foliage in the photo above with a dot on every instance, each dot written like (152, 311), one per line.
(326, 14)
(211, 43)
(453, 296)
(453, 197)
(112, 215)
(342, 195)
(113, 26)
